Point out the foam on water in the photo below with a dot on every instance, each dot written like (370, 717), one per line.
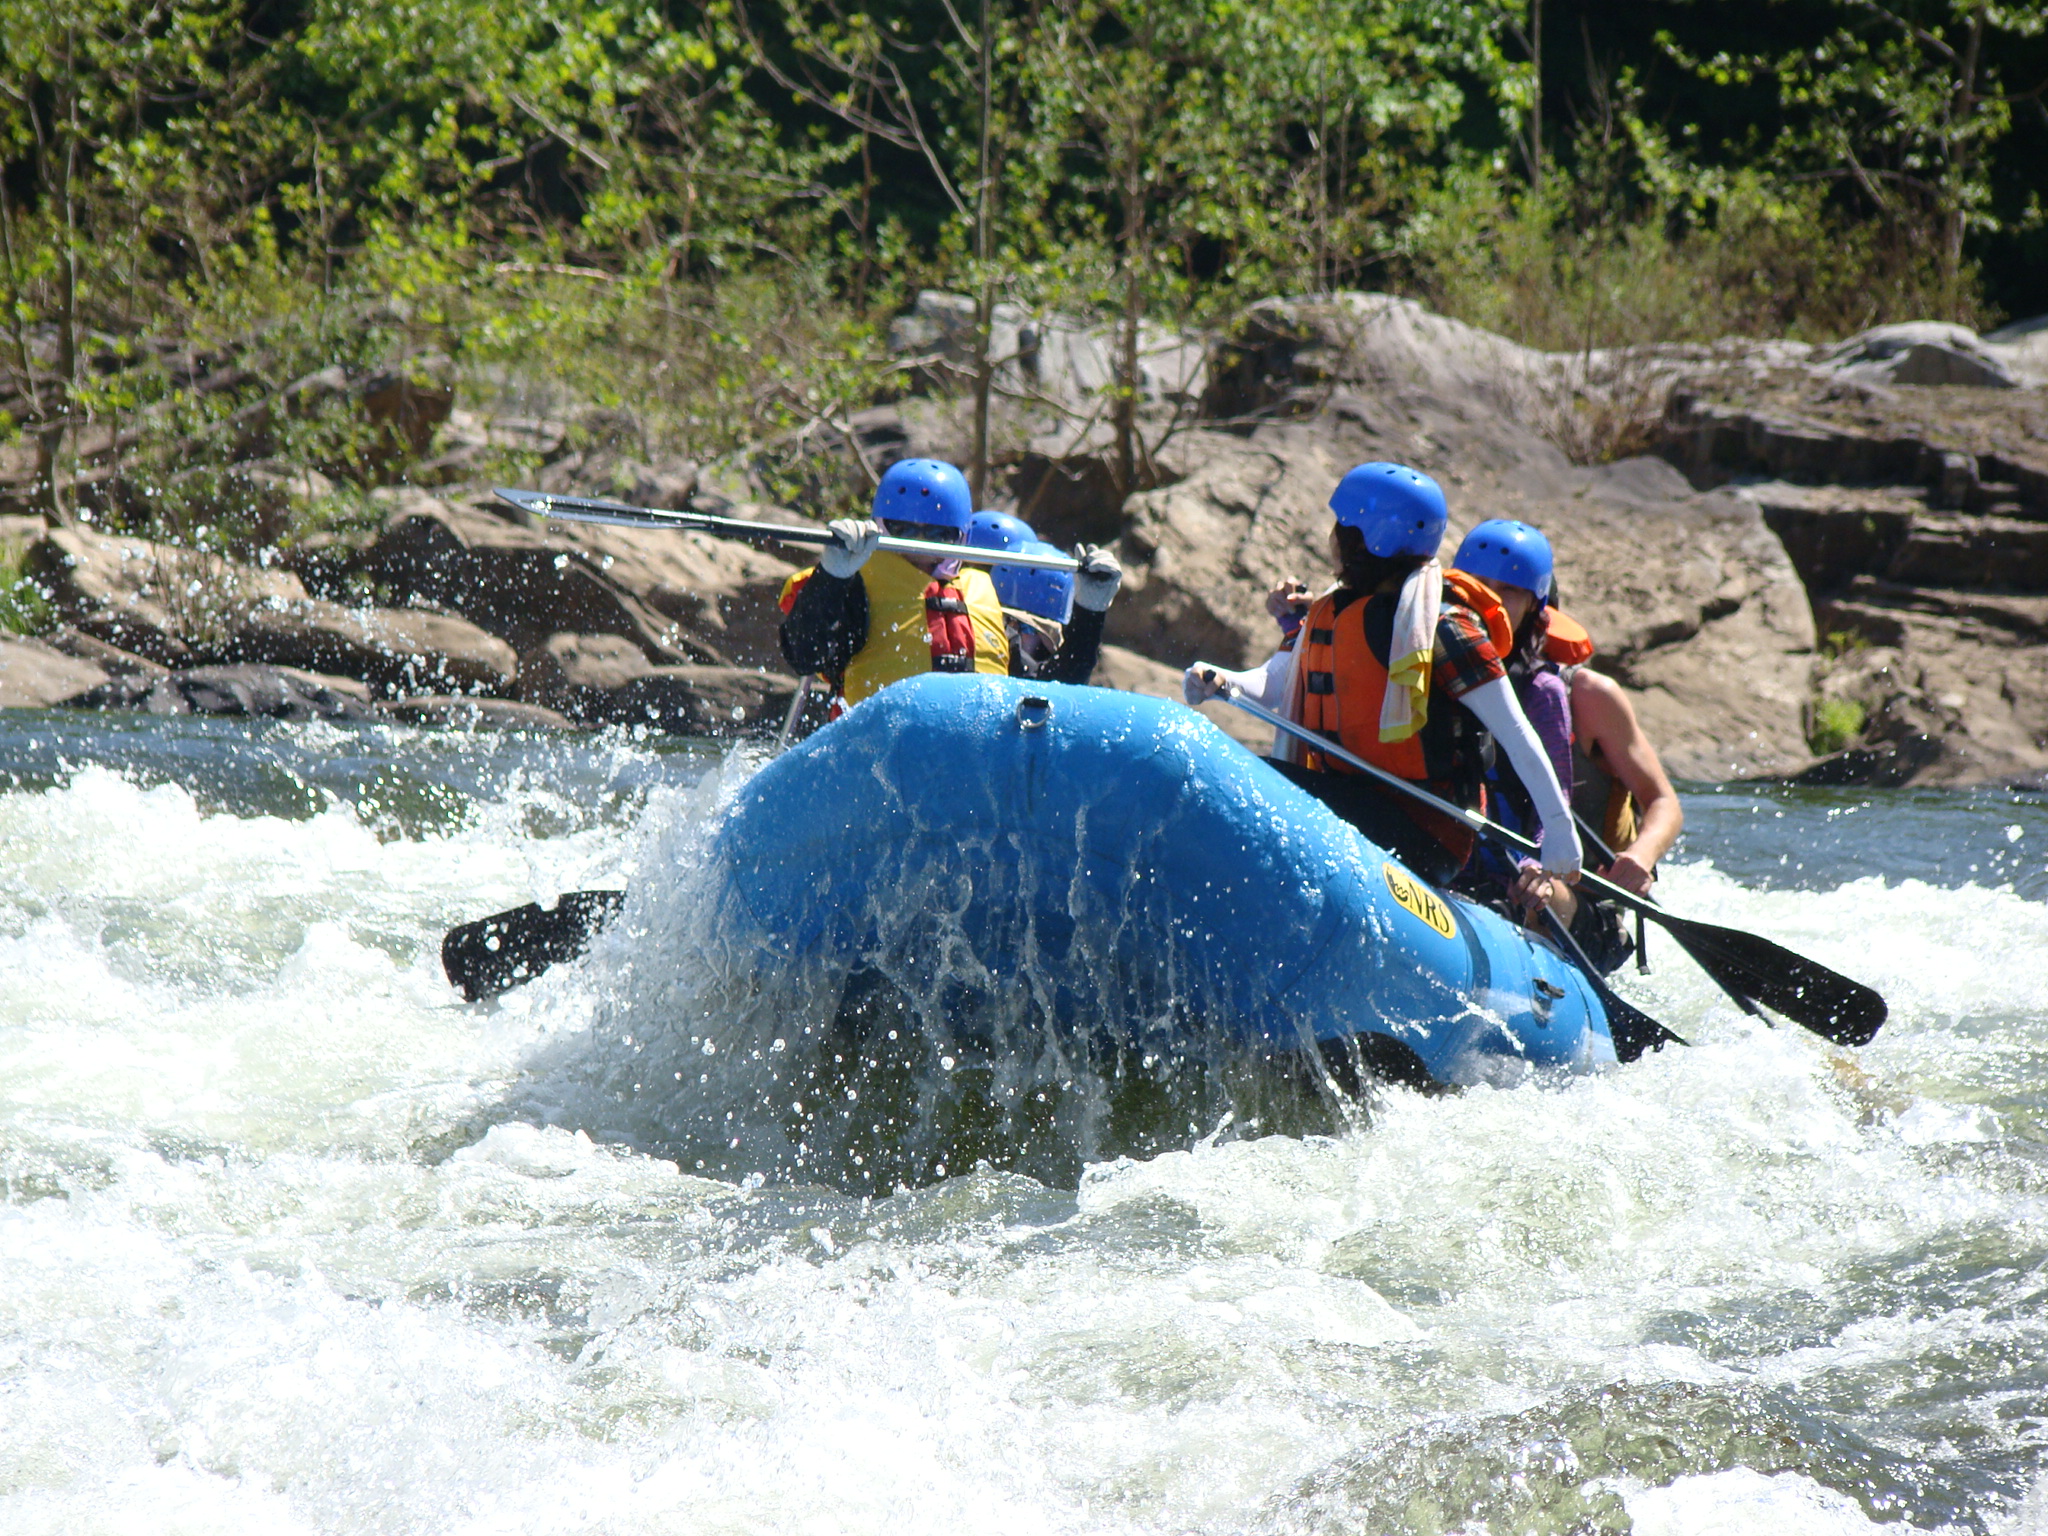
(293, 1241)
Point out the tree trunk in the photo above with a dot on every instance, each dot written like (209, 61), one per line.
(23, 363)
(864, 273)
(1960, 155)
(50, 442)
(984, 296)
(1125, 416)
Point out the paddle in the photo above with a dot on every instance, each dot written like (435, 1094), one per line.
(587, 509)
(496, 953)
(1746, 966)
(1633, 1030)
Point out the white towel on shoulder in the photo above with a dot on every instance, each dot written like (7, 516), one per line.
(1405, 708)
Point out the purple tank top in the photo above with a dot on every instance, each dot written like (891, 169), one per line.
(1546, 699)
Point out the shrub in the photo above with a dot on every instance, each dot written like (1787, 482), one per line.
(24, 606)
(1836, 723)
(1587, 263)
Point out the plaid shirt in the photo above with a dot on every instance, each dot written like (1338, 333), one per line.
(1465, 658)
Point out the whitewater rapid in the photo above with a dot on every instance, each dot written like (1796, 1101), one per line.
(294, 1241)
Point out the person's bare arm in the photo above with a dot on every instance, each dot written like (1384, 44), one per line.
(1604, 718)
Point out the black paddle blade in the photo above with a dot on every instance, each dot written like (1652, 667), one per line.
(1634, 1031)
(1828, 1003)
(495, 954)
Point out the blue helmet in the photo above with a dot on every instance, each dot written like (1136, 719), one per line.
(1401, 511)
(924, 491)
(1049, 594)
(998, 530)
(1502, 550)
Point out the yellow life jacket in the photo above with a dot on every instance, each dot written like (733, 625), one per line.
(918, 625)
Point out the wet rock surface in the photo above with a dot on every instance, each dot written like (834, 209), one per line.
(676, 597)
(1917, 516)
(469, 713)
(180, 607)
(606, 680)
(34, 675)
(246, 690)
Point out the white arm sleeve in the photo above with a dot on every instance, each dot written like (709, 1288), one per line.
(1266, 684)
(1501, 713)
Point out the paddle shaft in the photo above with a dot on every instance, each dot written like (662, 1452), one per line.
(584, 509)
(1493, 831)
(1833, 1006)
(796, 708)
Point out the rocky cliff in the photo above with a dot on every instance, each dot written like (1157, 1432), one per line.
(1906, 474)
(1773, 544)
(1847, 540)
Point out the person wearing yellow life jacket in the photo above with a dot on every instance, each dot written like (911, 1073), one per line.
(1403, 664)
(865, 618)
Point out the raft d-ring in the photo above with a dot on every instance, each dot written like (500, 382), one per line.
(1033, 710)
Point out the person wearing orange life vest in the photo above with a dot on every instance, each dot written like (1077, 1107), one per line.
(1404, 665)
(865, 618)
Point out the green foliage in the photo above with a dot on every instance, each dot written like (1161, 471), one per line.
(1902, 102)
(1836, 724)
(1631, 243)
(702, 210)
(1837, 643)
(24, 606)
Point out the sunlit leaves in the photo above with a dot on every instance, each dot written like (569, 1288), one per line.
(1900, 102)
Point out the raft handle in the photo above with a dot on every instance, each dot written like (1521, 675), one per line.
(1033, 710)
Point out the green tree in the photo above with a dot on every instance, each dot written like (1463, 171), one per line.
(1905, 102)
(128, 192)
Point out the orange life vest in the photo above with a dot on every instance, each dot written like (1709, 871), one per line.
(1566, 641)
(1344, 682)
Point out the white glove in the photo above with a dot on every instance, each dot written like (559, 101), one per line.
(1200, 683)
(1560, 849)
(1097, 580)
(853, 540)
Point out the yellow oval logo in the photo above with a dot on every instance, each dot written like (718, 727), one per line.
(1421, 900)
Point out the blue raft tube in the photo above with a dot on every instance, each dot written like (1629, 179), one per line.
(1144, 875)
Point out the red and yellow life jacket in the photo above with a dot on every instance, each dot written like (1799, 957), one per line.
(917, 624)
(1344, 681)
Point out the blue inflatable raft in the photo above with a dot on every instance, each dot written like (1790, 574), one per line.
(1141, 876)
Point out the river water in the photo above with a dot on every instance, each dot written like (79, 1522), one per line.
(295, 1241)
